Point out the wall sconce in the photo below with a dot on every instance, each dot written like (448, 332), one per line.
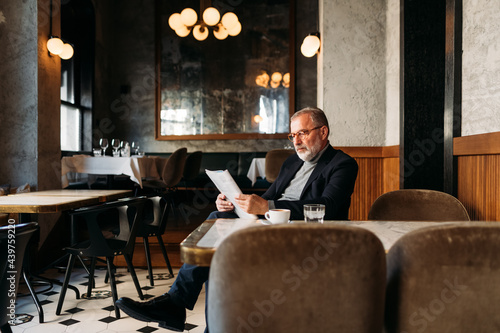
(311, 44)
(56, 46)
(276, 79)
(187, 20)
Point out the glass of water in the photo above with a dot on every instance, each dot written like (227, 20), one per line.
(314, 213)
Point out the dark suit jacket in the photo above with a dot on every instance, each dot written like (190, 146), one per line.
(331, 183)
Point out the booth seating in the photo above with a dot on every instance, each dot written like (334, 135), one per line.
(237, 163)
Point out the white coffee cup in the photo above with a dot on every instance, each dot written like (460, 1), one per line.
(276, 216)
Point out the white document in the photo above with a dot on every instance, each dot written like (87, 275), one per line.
(227, 186)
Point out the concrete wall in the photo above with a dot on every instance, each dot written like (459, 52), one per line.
(29, 96)
(30, 82)
(481, 67)
(392, 72)
(352, 71)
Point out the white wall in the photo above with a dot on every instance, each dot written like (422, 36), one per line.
(392, 57)
(481, 67)
(352, 71)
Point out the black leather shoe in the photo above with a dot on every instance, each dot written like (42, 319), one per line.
(160, 309)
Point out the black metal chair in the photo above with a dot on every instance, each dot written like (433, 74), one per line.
(154, 224)
(128, 214)
(14, 240)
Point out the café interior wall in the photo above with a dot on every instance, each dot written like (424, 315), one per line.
(29, 102)
(125, 79)
(480, 67)
(353, 70)
(29, 98)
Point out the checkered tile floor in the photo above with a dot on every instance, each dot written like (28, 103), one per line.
(96, 314)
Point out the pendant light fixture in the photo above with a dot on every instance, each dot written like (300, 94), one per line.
(187, 20)
(55, 45)
(312, 43)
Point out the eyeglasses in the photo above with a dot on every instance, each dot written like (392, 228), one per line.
(302, 134)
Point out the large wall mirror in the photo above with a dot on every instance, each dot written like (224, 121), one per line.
(237, 88)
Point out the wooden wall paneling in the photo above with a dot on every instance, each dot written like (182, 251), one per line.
(378, 173)
(479, 186)
(478, 175)
(391, 174)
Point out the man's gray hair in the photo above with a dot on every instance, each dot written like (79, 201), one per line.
(317, 115)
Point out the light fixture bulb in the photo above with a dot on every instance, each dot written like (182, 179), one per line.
(211, 16)
(183, 31)
(229, 20)
(310, 45)
(200, 33)
(258, 118)
(262, 80)
(235, 30)
(276, 77)
(286, 80)
(67, 52)
(188, 17)
(174, 21)
(55, 45)
(220, 32)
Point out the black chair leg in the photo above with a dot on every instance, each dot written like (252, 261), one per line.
(35, 297)
(165, 255)
(134, 276)
(83, 264)
(91, 282)
(112, 283)
(6, 328)
(148, 260)
(64, 287)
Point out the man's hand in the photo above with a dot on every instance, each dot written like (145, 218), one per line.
(222, 204)
(252, 204)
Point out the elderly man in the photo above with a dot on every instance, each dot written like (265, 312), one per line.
(318, 173)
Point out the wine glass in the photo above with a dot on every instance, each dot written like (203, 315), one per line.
(135, 147)
(104, 145)
(115, 143)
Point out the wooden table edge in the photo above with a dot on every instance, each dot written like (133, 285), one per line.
(192, 254)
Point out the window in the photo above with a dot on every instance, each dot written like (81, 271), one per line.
(77, 75)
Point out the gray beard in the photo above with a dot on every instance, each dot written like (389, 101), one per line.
(309, 154)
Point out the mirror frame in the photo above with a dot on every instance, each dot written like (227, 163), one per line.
(231, 136)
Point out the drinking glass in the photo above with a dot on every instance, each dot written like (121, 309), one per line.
(115, 143)
(135, 147)
(104, 145)
(314, 213)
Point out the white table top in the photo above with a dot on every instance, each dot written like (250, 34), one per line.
(199, 247)
(136, 167)
(257, 169)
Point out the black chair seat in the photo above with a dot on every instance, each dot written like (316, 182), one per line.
(154, 225)
(129, 215)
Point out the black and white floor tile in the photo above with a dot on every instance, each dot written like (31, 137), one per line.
(97, 314)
